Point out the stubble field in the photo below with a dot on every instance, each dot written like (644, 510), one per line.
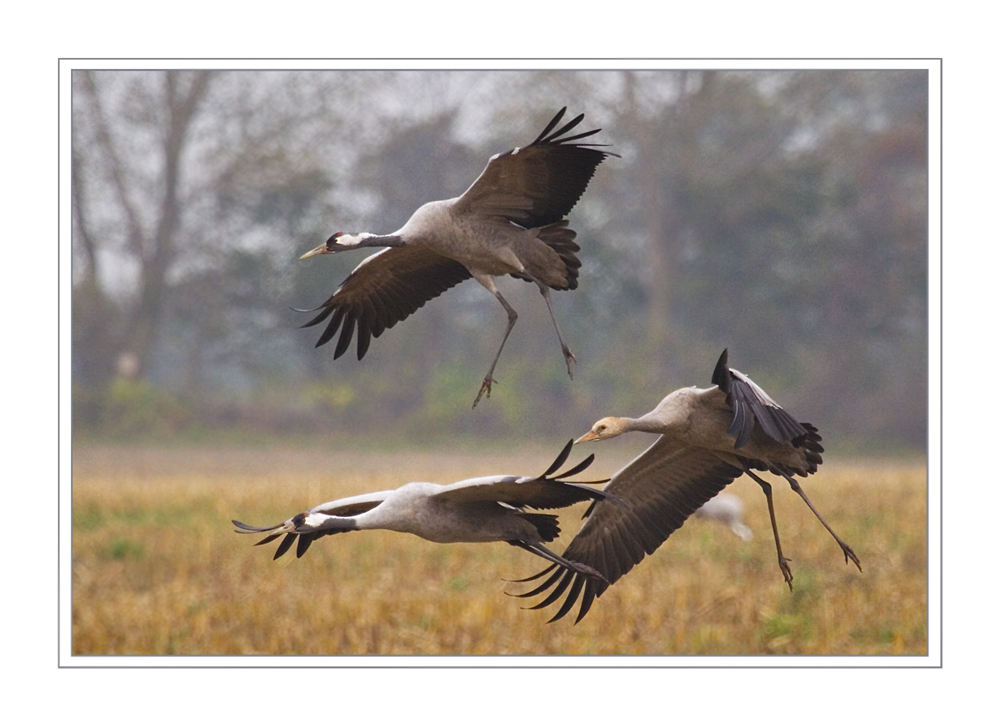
(158, 570)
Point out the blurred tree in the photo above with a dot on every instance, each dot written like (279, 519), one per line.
(782, 214)
(150, 225)
(869, 288)
(178, 180)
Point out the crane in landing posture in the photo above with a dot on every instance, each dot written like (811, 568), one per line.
(708, 438)
(509, 222)
(486, 509)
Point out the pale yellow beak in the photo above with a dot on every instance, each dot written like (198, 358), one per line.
(321, 250)
(589, 436)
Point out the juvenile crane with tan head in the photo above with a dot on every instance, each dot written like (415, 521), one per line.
(509, 222)
(708, 438)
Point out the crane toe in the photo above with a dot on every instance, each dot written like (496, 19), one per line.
(570, 360)
(849, 553)
(486, 388)
(786, 571)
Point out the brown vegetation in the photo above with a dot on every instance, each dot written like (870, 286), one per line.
(157, 568)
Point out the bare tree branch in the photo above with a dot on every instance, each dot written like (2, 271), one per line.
(136, 238)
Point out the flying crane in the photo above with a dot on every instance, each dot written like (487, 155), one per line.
(509, 222)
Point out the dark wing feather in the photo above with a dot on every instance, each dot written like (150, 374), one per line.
(305, 539)
(538, 184)
(660, 489)
(752, 406)
(522, 492)
(548, 491)
(286, 543)
(559, 460)
(810, 446)
(385, 288)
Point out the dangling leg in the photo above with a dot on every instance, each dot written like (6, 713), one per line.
(782, 562)
(567, 353)
(848, 552)
(511, 319)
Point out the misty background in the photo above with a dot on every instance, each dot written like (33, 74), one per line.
(781, 214)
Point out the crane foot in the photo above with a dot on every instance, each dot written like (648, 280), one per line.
(786, 571)
(486, 388)
(849, 554)
(570, 360)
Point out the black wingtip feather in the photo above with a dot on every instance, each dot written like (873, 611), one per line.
(577, 469)
(588, 600)
(571, 598)
(535, 576)
(325, 311)
(364, 340)
(543, 587)
(560, 460)
(556, 592)
(304, 541)
(345, 337)
(285, 545)
(564, 130)
(584, 135)
(551, 125)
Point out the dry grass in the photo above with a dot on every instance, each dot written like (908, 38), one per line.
(157, 568)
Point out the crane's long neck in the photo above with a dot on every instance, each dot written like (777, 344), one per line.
(316, 521)
(643, 423)
(367, 239)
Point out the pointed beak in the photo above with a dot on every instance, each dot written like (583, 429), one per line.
(321, 250)
(589, 436)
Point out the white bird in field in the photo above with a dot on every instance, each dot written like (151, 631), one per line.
(708, 438)
(486, 509)
(727, 509)
(509, 222)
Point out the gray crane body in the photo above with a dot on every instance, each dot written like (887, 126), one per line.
(700, 417)
(510, 221)
(418, 508)
(483, 509)
(707, 438)
(487, 245)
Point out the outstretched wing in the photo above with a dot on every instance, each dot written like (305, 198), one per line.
(548, 491)
(385, 288)
(750, 404)
(522, 492)
(660, 489)
(537, 184)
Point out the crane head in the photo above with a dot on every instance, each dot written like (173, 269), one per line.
(606, 428)
(336, 242)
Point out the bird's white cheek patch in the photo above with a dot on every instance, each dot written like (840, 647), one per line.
(315, 520)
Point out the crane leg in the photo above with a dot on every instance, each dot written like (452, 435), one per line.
(488, 381)
(848, 552)
(567, 353)
(782, 562)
